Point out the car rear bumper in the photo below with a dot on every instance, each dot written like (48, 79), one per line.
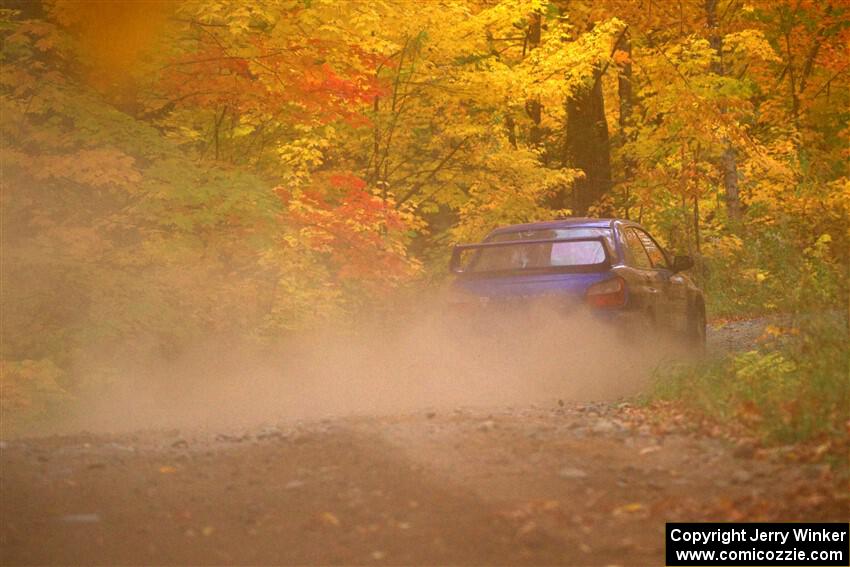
(498, 312)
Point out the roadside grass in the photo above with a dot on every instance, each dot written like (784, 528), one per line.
(792, 388)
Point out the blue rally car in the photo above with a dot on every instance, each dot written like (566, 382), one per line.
(612, 266)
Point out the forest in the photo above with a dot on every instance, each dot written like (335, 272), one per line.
(176, 169)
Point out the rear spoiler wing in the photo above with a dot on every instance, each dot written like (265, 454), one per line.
(458, 249)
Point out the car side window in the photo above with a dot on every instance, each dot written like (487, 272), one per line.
(635, 251)
(656, 255)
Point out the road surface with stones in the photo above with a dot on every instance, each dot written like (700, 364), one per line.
(563, 483)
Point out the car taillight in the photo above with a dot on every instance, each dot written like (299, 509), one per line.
(610, 293)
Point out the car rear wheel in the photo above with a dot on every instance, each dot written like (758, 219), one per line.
(641, 331)
(696, 328)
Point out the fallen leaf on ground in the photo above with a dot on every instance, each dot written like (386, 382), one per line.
(629, 509)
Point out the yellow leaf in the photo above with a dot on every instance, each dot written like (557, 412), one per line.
(329, 519)
(629, 509)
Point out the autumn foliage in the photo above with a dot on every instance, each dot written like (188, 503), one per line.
(258, 167)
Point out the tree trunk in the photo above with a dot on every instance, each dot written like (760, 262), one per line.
(624, 85)
(729, 167)
(532, 106)
(728, 160)
(587, 146)
(510, 127)
(697, 239)
(624, 93)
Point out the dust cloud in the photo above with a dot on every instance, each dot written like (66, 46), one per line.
(429, 357)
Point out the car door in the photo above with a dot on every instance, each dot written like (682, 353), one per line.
(672, 287)
(644, 285)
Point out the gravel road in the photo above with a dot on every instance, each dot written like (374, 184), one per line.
(561, 483)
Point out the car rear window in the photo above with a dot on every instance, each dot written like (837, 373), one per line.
(536, 256)
(544, 234)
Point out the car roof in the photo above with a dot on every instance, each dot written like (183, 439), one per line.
(576, 222)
